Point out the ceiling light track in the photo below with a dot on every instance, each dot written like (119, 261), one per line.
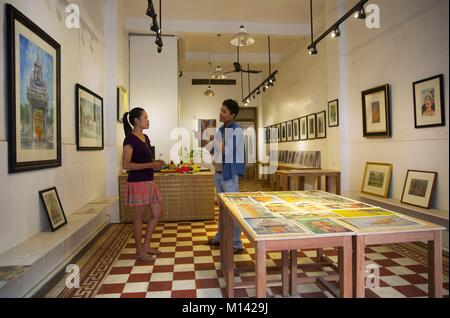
(358, 12)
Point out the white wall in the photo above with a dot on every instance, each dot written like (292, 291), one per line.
(154, 87)
(82, 175)
(412, 44)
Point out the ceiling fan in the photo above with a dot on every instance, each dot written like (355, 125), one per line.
(238, 67)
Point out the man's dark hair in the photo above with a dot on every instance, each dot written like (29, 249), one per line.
(232, 106)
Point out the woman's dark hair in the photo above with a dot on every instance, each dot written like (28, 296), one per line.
(129, 118)
(232, 106)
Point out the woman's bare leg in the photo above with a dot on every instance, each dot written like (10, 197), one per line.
(157, 211)
(138, 222)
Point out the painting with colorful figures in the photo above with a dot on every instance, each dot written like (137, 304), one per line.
(270, 226)
(323, 226)
(280, 208)
(367, 223)
(253, 211)
(267, 199)
(308, 215)
(357, 213)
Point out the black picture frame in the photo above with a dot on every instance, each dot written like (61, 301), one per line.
(289, 131)
(440, 103)
(296, 129)
(376, 113)
(303, 128)
(279, 132)
(322, 116)
(312, 132)
(283, 132)
(53, 208)
(40, 132)
(333, 122)
(82, 142)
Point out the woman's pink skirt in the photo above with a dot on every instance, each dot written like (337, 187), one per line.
(142, 193)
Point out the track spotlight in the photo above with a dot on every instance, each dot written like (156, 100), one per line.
(266, 86)
(151, 10)
(336, 33)
(155, 27)
(361, 13)
(258, 92)
(245, 104)
(313, 50)
(254, 96)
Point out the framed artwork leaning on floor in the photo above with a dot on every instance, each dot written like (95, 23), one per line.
(418, 188)
(377, 178)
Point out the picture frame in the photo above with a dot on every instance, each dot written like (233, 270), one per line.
(321, 125)
(123, 104)
(207, 128)
(376, 109)
(429, 102)
(304, 128)
(312, 127)
(333, 113)
(283, 132)
(279, 132)
(89, 119)
(289, 131)
(53, 208)
(33, 95)
(296, 129)
(418, 188)
(377, 179)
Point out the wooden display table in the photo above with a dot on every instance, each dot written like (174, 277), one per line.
(285, 179)
(185, 197)
(340, 225)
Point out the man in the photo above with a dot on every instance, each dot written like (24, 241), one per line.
(229, 161)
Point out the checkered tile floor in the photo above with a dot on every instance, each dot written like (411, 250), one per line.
(189, 269)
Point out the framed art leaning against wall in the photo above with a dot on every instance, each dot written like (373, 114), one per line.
(34, 95)
(53, 208)
(418, 188)
(377, 178)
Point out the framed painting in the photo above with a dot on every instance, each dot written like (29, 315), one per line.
(123, 104)
(89, 114)
(289, 131)
(53, 208)
(312, 127)
(279, 132)
(333, 113)
(376, 112)
(377, 178)
(418, 188)
(34, 95)
(304, 128)
(207, 128)
(429, 102)
(321, 125)
(296, 129)
(283, 132)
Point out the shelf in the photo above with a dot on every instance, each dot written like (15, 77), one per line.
(440, 214)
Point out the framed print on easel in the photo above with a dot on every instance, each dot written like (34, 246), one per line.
(376, 112)
(34, 95)
(429, 102)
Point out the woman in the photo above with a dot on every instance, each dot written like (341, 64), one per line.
(428, 108)
(141, 191)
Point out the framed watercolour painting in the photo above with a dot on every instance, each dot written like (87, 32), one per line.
(123, 105)
(34, 95)
(303, 128)
(53, 208)
(89, 113)
(283, 132)
(377, 178)
(296, 129)
(279, 132)
(429, 102)
(376, 112)
(289, 131)
(321, 125)
(333, 113)
(312, 127)
(418, 188)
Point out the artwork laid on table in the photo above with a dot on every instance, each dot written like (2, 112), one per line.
(333, 113)
(296, 129)
(308, 215)
(323, 226)
(53, 208)
(312, 127)
(240, 199)
(304, 128)
(283, 132)
(267, 199)
(34, 95)
(377, 178)
(272, 226)
(123, 104)
(358, 213)
(429, 102)
(321, 125)
(290, 135)
(343, 206)
(376, 112)
(280, 208)
(89, 114)
(253, 211)
(418, 188)
(207, 129)
(368, 223)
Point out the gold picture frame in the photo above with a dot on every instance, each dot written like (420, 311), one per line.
(377, 179)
